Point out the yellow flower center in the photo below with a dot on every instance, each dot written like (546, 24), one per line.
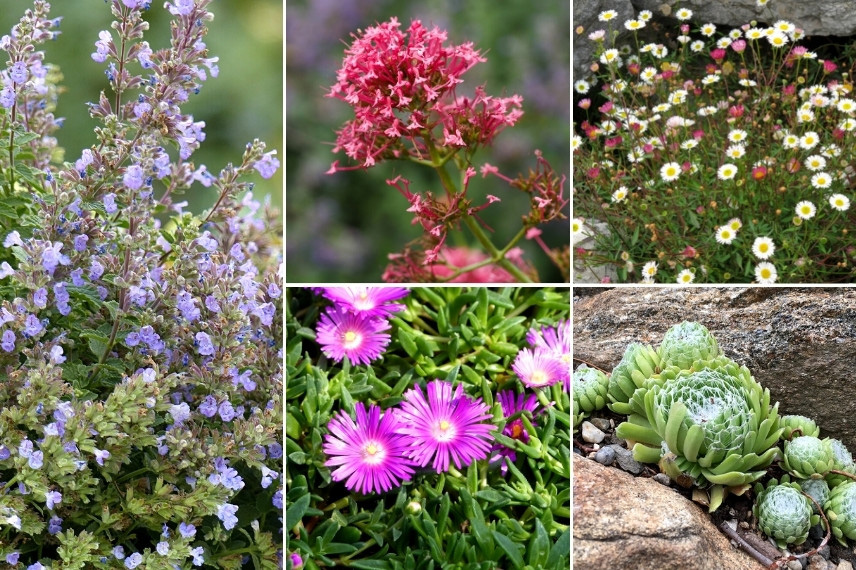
(351, 339)
(373, 453)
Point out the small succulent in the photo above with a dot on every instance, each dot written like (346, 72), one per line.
(578, 415)
(799, 424)
(842, 460)
(685, 343)
(784, 514)
(807, 457)
(590, 388)
(817, 489)
(640, 362)
(840, 510)
(717, 421)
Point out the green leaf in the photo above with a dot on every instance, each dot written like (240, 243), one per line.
(561, 550)
(295, 513)
(371, 564)
(539, 545)
(511, 549)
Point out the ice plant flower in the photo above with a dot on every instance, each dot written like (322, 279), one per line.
(341, 333)
(511, 404)
(369, 454)
(369, 302)
(448, 425)
(537, 369)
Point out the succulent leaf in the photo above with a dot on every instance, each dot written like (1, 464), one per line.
(686, 343)
(639, 358)
(800, 424)
(807, 457)
(590, 388)
(784, 514)
(840, 510)
(842, 460)
(818, 489)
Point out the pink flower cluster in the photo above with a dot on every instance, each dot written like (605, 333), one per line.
(549, 359)
(402, 89)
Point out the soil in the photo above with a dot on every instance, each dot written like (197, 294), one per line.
(734, 508)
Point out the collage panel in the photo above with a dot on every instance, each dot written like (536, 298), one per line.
(428, 427)
(429, 142)
(141, 387)
(720, 415)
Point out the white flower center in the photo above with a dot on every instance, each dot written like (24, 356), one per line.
(444, 431)
(373, 453)
(351, 340)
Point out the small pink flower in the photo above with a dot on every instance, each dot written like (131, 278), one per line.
(738, 45)
(689, 252)
(759, 172)
(829, 66)
(584, 104)
(606, 107)
(718, 55)
(736, 111)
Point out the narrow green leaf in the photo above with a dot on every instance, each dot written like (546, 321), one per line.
(511, 549)
(295, 513)
(561, 551)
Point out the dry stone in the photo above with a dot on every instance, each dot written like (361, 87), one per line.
(585, 17)
(798, 342)
(622, 521)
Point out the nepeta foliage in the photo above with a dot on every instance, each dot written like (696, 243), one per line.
(402, 87)
(140, 353)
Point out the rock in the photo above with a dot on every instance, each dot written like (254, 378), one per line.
(621, 521)
(585, 16)
(817, 562)
(662, 478)
(605, 456)
(591, 434)
(844, 565)
(819, 17)
(798, 342)
(626, 461)
(601, 423)
(795, 565)
(585, 241)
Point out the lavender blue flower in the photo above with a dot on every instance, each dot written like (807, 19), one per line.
(8, 343)
(55, 525)
(37, 460)
(226, 513)
(197, 554)
(208, 407)
(52, 498)
(133, 561)
(205, 346)
(180, 413)
(187, 530)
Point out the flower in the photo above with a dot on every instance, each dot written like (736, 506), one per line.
(52, 498)
(821, 180)
(683, 14)
(765, 272)
(815, 162)
(448, 425)
(226, 514)
(368, 455)
(577, 226)
(267, 164)
(538, 369)
(649, 270)
(839, 202)
(187, 530)
(670, 171)
(341, 333)
(805, 210)
(370, 302)
(685, 277)
(763, 247)
(512, 403)
(607, 15)
(725, 235)
(133, 560)
(619, 194)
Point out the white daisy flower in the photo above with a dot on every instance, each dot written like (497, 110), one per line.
(839, 202)
(685, 277)
(607, 15)
(765, 272)
(815, 162)
(670, 171)
(649, 270)
(805, 210)
(725, 235)
(726, 172)
(821, 180)
(763, 247)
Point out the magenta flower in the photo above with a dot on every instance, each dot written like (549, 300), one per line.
(369, 455)
(511, 404)
(557, 342)
(539, 368)
(370, 302)
(447, 425)
(342, 334)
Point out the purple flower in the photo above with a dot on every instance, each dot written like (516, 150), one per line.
(267, 164)
(243, 379)
(110, 203)
(4, 453)
(207, 242)
(187, 530)
(211, 304)
(77, 277)
(162, 548)
(368, 455)
(14, 238)
(119, 552)
(96, 270)
(85, 159)
(40, 298)
(539, 368)
(33, 325)
(133, 561)
(296, 560)
(101, 455)
(56, 354)
(51, 257)
(205, 346)
(197, 554)
(275, 450)
(186, 303)
(7, 97)
(12, 558)
(511, 404)
(134, 177)
(268, 475)
(62, 298)
(342, 334)
(52, 498)
(18, 72)
(226, 476)
(180, 413)
(226, 513)
(368, 301)
(208, 407)
(102, 47)
(555, 341)
(446, 425)
(80, 242)
(226, 411)
(55, 525)
(37, 459)
(277, 499)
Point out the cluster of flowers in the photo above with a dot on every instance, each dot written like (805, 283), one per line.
(664, 140)
(401, 87)
(380, 450)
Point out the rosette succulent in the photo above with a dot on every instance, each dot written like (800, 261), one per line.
(714, 425)
(840, 510)
(817, 489)
(685, 343)
(640, 362)
(784, 514)
(590, 388)
(807, 457)
(795, 426)
(842, 460)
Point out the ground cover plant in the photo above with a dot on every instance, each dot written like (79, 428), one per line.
(712, 428)
(714, 155)
(427, 428)
(140, 344)
(404, 87)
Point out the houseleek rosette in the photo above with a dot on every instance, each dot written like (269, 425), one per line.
(817, 489)
(712, 424)
(686, 343)
(784, 514)
(807, 457)
(842, 460)
(840, 510)
(590, 388)
(640, 362)
(795, 426)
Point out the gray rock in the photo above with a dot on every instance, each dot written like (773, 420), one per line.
(662, 478)
(621, 521)
(585, 16)
(591, 434)
(818, 17)
(798, 342)
(844, 565)
(605, 456)
(601, 423)
(625, 460)
(817, 562)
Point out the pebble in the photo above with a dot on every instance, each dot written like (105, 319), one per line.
(601, 423)
(591, 434)
(817, 562)
(605, 456)
(626, 461)
(662, 478)
(844, 565)
(794, 565)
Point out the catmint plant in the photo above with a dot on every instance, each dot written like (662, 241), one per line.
(141, 343)
(403, 87)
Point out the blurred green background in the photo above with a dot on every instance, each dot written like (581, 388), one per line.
(341, 227)
(243, 103)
